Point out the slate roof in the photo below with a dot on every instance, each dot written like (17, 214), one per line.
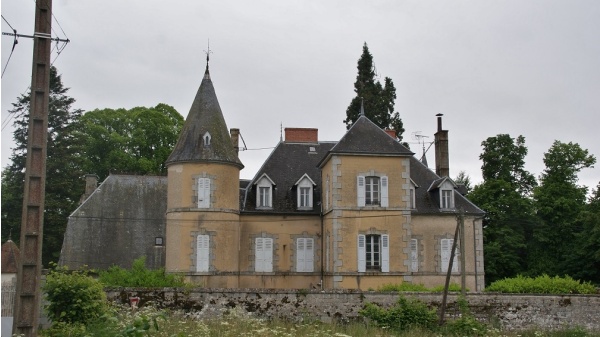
(364, 137)
(205, 115)
(11, 257)
(287, 163)
(117, 224)
(426, 198)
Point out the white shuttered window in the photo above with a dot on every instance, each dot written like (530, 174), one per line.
(305, 254)
(203, 192)
(202, 253)
(373, 253)
(446, 250)
(414, 255)
(264, 255)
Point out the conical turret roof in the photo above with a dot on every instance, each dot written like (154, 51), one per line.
(205, 136)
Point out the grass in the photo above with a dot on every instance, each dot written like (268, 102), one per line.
(148, 321)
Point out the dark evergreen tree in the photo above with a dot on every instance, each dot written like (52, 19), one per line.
(63, 168)
(585, 260)
(560, 203)
(378, 100)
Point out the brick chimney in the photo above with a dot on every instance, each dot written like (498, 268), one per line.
(442, 162)
(391, 133)
(235, 139)
(301, 135)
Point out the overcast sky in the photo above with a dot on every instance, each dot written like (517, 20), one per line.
(528, 68)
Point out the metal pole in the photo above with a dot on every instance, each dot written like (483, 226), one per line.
(28, 299)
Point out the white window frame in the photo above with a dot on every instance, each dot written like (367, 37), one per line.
(445, 253)
(263, 255)
(305, 255)
(264, 192)
(203, 192)
(304, 184)
(202, 253)
(412, 198)
(378, 260)
(373, 188)
(446, 199)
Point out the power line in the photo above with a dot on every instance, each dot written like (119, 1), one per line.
(15, 41)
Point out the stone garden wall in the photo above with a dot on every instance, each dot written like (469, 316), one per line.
(511, 312)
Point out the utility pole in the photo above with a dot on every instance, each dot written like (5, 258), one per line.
(28, 299)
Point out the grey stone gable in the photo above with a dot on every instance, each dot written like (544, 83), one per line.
(287, 163)
(117, 224)
(364, 137)
(205, 116)
(427, 200)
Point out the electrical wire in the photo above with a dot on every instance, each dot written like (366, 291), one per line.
(15, 42)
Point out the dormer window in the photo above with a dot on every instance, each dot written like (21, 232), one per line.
(264, 192)
(304, 192)
(206, 139)
(446, 201)
(443, 188)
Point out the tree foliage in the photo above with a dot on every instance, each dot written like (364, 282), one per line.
(560, 203)
(63, 168)
(378, 99)
(135, 141)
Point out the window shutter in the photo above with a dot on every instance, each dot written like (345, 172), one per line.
(300, 254)
(384, 191)
(309, 255)
(362, 254)
(202, 253)
(203, 192)
(360, 191)
(414, 255)
(446, 247)
(385, 253)
(268, 254)
(259, 255)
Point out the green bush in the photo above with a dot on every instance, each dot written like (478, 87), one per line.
(541, 285)
(417, 287)
(405, 315)
(73, 297)
(139, 276)
(466, 324)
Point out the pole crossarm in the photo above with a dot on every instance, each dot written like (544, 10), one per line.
(38, 35)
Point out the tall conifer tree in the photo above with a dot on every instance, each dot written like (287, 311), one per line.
(378, 99)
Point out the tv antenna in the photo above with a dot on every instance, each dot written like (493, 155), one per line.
(421, 140)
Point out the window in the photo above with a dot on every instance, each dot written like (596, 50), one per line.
(206, 138)
(373, 253)
(263, 252)
(414, 255)
(202, 253)
(264, 199)
(203, 192)
(304, 197)
(305, 254)
(264, 192)
(446, 250)
(372, 191)
(446, 199)
(411, 201)
(158, 241)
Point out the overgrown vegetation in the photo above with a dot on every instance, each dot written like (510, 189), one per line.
(139, 276)
(541, 285)
(405, 315)
(74, 297)
(417, 287)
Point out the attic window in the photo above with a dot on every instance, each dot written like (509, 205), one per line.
(158, 241)
(206, 139)
(312, 149)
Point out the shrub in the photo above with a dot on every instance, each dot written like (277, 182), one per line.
(541, 285)
(73, 297)
(139, 276)
(417, 287)
(405, 315)
(466, 324)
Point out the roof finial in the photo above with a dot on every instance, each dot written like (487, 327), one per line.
(362, 107)
(207, 52)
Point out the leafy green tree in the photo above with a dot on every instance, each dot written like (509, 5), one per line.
(464, 179)
(559, 202)
(63, 168)
(509, 210)
(503, 158)
(135, 141)
(378, 99)
(586, 259)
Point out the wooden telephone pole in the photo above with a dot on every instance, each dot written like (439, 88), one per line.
(28, 299)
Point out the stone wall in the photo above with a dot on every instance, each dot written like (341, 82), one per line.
(511, 312)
